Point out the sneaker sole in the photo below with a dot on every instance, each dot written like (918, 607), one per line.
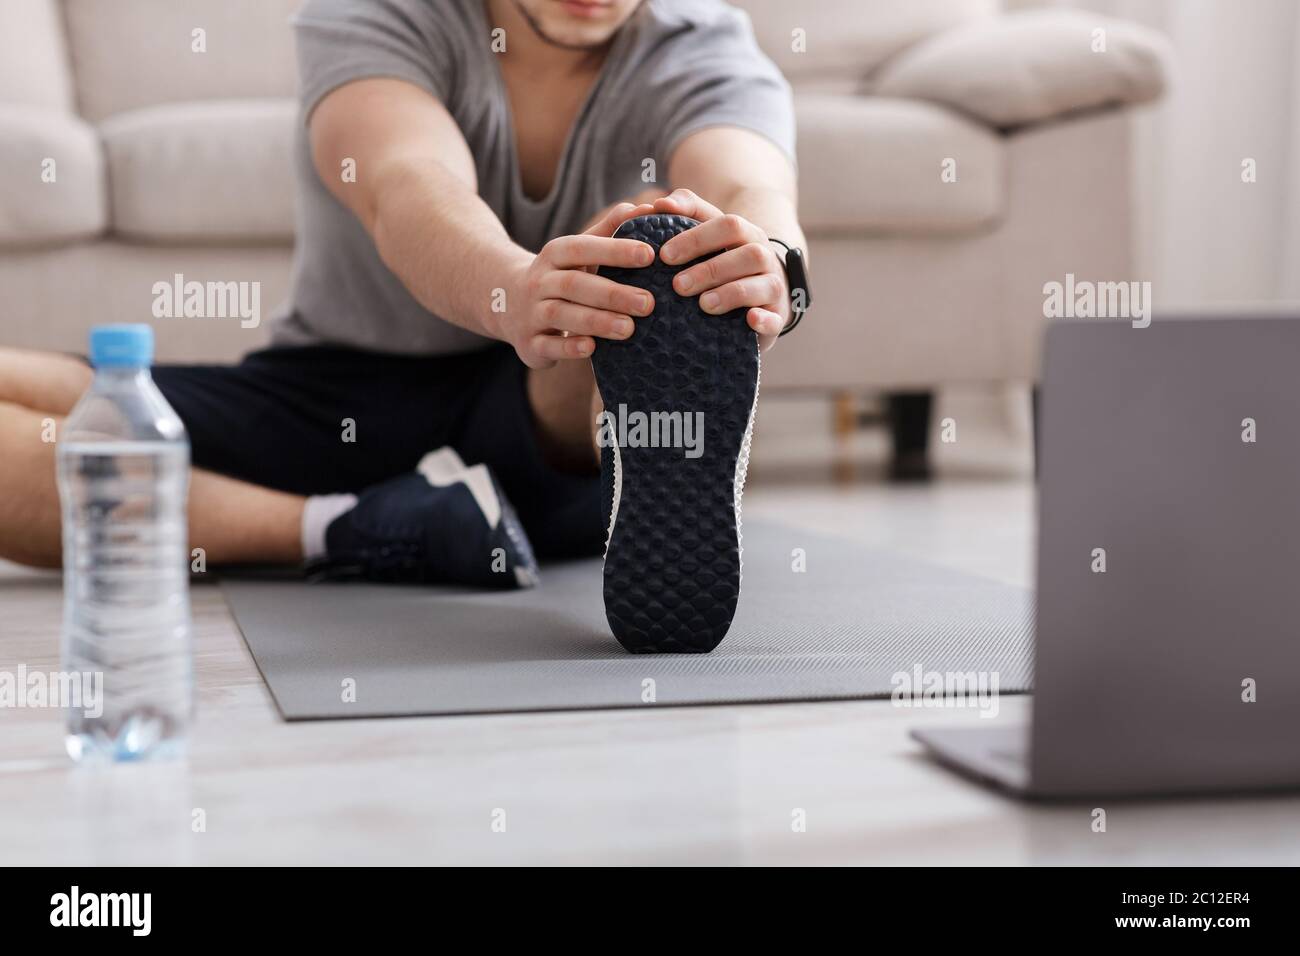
(672, 558)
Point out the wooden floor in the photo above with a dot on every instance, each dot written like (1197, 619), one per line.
(684, 785)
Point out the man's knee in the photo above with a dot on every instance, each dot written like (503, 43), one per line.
(42, 381)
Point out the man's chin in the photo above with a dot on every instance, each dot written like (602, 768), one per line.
(564, 35)
(574, 26)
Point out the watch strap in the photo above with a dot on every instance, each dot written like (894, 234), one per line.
(796, 276)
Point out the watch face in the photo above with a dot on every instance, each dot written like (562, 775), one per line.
(796, 272)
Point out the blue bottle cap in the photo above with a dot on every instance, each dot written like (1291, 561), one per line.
(121, 346)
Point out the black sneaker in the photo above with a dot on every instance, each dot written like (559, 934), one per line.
(672, 555)
(441, 524)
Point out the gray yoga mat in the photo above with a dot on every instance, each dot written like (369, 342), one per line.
(840, 629)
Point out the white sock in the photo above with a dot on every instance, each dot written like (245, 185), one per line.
(441, 467)
(317, 514)
(444, 467)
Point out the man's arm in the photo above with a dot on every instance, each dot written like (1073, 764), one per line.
(415, 192)
(742, 188)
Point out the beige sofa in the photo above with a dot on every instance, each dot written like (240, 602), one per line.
(170, 160)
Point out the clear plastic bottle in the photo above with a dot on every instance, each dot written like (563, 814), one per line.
(123, 470)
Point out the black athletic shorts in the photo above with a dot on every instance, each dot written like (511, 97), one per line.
(279, 418)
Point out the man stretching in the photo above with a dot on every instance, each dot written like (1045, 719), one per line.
(458, 164)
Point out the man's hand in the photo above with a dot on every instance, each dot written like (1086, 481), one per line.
(746, 274)
(558, 305)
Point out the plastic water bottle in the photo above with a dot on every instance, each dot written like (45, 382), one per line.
(123, 467)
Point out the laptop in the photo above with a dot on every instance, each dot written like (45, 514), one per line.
(1167, 640)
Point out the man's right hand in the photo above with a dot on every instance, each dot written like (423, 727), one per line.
(557, 305)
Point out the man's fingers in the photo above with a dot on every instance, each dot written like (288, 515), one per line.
(764, 321)
(556, 348)
(748, 260)
(583, 320)
(648, 196)
(725, 232)
(614, 217)
(618, 214)
(596, 291)
(753, 290)
(577, 252)
(683, 202)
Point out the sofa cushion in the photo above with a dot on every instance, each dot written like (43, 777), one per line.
(132, 53)
(33, 58)
(1032, 66)
(37, 145)
(204, 171)
(845, 39)
(875, 165)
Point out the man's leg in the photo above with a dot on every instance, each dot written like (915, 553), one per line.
(536, 430)
(231, 520)
(565, 403)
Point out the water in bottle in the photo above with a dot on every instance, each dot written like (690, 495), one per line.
(123, 470)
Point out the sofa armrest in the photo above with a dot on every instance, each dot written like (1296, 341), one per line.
(53, 189)
(1030, 67)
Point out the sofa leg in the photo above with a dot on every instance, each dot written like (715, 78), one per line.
(909, 422)
(844, 422)
(844, 416)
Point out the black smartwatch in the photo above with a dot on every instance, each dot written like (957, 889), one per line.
(796, 277)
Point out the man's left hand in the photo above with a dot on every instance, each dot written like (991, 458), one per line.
(746, 274)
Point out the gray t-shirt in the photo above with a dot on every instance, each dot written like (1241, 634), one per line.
(676, 67)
